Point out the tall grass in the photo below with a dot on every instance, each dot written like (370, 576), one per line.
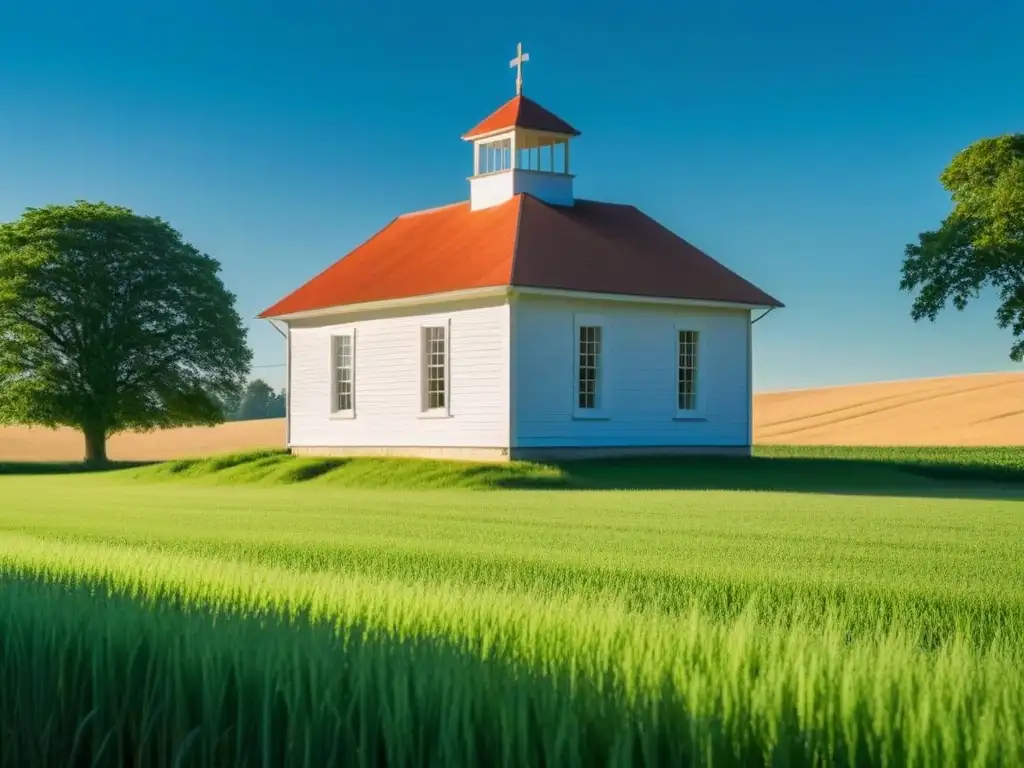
(934, 567)
(143, 623)
(145, 657)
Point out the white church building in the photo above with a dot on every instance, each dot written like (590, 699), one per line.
(523, 323)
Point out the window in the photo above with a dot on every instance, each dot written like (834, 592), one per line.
(592, 386)
(589, 367)
(494, 156)
(687, 343)
(343, 374)
(435, 368)
(548, 155)
(343, 370)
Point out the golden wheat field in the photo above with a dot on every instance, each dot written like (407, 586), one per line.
(981, 409)
(984, 409)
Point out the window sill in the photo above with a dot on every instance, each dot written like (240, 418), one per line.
(438, 414)
(585, 416)
(342, 415)
(685, 416)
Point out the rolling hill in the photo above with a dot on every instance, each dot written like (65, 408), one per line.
(983, 409)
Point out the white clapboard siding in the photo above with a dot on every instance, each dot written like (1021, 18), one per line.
(641, 364)
(387, 381)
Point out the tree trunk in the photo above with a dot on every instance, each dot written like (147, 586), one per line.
(95, 446)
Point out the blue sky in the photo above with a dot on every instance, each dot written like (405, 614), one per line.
(797, 142)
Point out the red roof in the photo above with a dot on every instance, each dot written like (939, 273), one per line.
(521, 112)
(590, 247)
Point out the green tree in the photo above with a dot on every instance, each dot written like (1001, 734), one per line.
(278, 408)
(110, 322)
(229, 405)
(980, 243)
(260, 402)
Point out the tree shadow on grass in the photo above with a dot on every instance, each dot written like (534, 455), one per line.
(65, 467)
(882, 477)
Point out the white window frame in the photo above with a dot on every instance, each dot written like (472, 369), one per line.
(337, 413)
(500, 149)
(603, 365)
(697, 413)
(425, 410)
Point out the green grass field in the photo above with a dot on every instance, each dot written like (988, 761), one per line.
(807, 607)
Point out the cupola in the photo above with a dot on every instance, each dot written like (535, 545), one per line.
(520, 147)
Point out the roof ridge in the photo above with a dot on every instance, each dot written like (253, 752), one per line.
(590, 248)
(329, 267)
(515, 238)
(703, 253)
(520, 111)
(409, 214)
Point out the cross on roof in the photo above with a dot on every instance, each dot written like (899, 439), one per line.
(517, 62)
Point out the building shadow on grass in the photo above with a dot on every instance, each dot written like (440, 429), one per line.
(786, 474)
(846, 475)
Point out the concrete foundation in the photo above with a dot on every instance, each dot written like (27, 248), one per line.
(498, 454)
(407, 451)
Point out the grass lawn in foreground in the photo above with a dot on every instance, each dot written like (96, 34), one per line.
(860, 618)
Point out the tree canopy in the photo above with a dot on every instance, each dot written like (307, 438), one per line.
(980, 243)
(109, 322)
(260, 402)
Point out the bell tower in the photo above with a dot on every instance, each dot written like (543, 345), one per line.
(520, 148)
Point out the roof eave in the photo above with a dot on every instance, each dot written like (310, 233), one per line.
(467, 294)
(474, 134)
(643, 299)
